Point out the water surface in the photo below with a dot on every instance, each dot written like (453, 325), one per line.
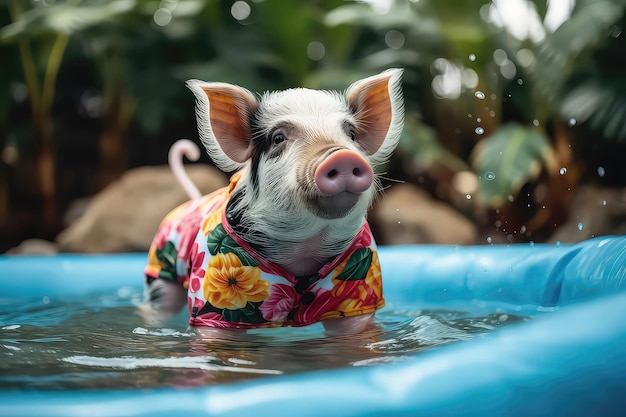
(54, 346)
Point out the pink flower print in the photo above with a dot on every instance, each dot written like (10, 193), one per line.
(162, 235)
(197, 272)
(280, 302)
(194, 285)
(195, 302)
(188, 229)
(363, 239)
(310, 311)
(213, 320)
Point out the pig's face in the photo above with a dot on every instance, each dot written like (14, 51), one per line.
(297, 135)
(308, 159)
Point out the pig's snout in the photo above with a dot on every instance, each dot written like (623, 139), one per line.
(343, 170)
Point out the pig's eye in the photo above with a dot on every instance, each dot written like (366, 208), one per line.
(352, 135)
(278, 138)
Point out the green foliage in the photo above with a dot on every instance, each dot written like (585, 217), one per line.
(64, 17)
(219, 241)
(508, 159)
(167, 256)
(572, 78)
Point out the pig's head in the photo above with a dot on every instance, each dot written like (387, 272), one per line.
(307, 157)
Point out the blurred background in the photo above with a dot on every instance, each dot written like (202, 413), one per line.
(515, 129)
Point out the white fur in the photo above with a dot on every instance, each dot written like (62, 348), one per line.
(203, 109)
(288, 230)
(382, 155)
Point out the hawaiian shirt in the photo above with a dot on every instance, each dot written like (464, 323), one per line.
(231, 286)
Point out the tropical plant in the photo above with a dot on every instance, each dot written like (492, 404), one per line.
(502, 106)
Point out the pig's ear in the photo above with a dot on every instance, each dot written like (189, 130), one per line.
(379, 108)
(223, 112)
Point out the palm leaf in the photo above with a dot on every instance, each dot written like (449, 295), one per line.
(66, 18)
(507, 160)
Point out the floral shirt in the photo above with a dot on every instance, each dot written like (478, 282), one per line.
(229, 285)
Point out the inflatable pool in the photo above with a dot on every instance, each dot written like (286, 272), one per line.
(569, 359)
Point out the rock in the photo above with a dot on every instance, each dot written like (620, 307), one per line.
(595, 211)
(125, 215)
(35, 247)
(409, 215)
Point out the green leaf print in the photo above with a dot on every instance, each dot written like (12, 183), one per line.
(215, 238)
(249, 314)
(357, 266)
(218, 241)
(167, 256)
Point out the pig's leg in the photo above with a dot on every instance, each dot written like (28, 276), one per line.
(346, 326)
(163, 300)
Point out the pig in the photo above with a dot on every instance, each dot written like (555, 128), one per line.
(287, 243)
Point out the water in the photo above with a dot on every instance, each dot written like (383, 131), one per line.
(82, 346)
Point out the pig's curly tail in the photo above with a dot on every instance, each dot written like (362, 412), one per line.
(179, 149)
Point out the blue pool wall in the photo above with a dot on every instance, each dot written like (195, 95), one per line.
(568, 361)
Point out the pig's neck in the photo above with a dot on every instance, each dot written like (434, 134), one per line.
(304, 261)
(289, 235)
(299, 257)
(298, 254)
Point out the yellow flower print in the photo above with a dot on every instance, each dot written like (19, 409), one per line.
(374, 278)
(212, 220)
(229, 284)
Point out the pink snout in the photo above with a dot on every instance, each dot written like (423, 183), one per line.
(343, 170)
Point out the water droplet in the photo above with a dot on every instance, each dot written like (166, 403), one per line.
(162, 16)
(601, 171)
(558, 244)
(580, 226)
(563, 171)
(522, 229)
(490, 176)
(510, 198)
(489, 239)
(479, 130)
(468, 196)
(571, 122)
(604, 202)
(478, 119)
(535, 122)
(520, 81)
(532, 244)
(240, 10)
(472, 57)
(479, 95)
